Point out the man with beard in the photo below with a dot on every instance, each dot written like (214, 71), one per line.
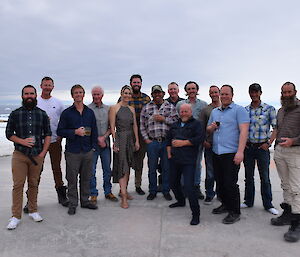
(183, 142)
(286, 157)
(156, 119)
(78, 125)
(139, 100)
(191, 88)
(29, 128)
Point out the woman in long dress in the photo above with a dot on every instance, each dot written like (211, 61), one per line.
(125, 137)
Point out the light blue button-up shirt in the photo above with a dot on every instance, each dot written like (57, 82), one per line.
(226, 137)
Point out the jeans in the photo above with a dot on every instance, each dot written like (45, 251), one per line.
(252, 154)
(226, 174)
(55, 150)
(209, 178)
(188, 172)
(198, 166)
(105, 156)
(156, 150)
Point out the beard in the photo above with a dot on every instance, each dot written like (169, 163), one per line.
(136, 89)
(29, 104)
(288, 102)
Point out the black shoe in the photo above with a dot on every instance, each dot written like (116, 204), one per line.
(25, 209)
(208, 200)
(151, 196)
(285, 218)
(199, 193)
(177, 204)
(72, 210)
(167, 196)
(293, 235)
(231, 218)
(219, 210)
(62, 196)
(139, 190)
(195, 220)
(89, 205)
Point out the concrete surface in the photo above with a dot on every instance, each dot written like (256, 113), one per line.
(146, 229)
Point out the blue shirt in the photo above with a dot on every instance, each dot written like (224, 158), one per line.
(226, 137)
(261, 118)
(70, 120)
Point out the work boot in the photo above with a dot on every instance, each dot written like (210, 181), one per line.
(285, 218)
(293, 234)
(62, 196)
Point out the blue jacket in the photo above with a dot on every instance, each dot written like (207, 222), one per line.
(70, 120)
(193, 131)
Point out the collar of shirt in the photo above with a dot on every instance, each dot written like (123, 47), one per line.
(229, 106)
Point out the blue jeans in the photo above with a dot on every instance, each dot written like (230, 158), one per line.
(187, 171)
(209, 178)
(105, 156)
(156, 150)
(198, 166)
(252, 154)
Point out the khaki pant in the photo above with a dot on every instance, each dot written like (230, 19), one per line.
(22, 168)
(287, 160)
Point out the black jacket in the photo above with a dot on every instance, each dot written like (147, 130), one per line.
(193, 131)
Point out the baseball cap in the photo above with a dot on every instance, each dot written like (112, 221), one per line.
(156, 88)
(255, 87)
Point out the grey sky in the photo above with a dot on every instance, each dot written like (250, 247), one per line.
(104, 42)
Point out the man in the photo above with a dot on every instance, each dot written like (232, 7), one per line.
(229, 124)
(286, 157)
(53, 107)
(29, 128)
(139, 100)
(156, 119)
(262, 116)
(183, 142)
(103, 147)
(173, 90)
(214, 93)
(191, 88)
(78, 125)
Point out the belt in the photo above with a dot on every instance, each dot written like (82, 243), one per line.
(158, 139)
(256, 144)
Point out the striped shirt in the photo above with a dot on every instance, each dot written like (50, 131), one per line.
(261, 119)
(25, 123)
(154, 129)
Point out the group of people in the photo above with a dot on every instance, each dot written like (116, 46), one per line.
(174, 132)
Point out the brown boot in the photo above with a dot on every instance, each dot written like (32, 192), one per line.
(124, 203)
(93, 199)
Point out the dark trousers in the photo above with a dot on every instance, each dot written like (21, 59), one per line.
(252, 154)
(226, 175)
(78, 163)
(188, 172)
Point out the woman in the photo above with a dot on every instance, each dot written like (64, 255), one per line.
(125, 137)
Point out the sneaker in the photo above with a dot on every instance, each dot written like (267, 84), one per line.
(177, 204)
(219, 210)
(208, 200)
(273, 211)
(13, 223)
(151, 196)
(195, 220)
(231, 218)
(36, 216)
(111, 197)
(167, 196)
(244, 206)
(139, 190)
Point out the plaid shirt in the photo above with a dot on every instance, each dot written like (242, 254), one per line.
(261, 118)
(153, 129)
(138, 102)
(24, 123)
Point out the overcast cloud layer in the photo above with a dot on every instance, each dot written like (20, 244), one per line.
(104, 42)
